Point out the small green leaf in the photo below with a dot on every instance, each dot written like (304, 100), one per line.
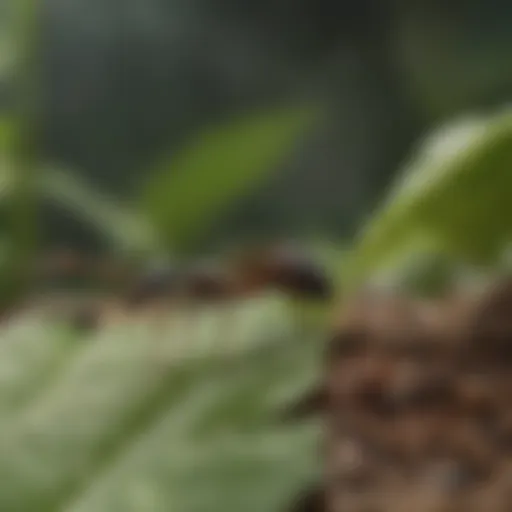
(455, 197)
(220, 166)
(121, 226)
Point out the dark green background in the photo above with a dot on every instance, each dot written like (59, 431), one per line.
(126, 81)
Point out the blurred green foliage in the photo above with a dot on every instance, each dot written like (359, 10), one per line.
(454, 198)
(223, 166)
(122, 89)
(181, 414)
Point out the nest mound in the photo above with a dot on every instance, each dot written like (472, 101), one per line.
(417, 404)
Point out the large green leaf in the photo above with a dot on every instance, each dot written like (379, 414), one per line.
(146, 417)
(454, 197)
(222, 165)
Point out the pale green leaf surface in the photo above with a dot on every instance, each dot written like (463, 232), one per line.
(157, 417)
(26, 363)
(185, 195)
(454, 197)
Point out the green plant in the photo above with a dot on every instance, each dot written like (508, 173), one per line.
(183, 416)
(454, 198)
(140, 417)
(179, 199)
(190, 190)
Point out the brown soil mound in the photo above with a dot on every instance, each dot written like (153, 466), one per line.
(417, 401)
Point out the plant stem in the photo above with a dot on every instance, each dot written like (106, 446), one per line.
(24, 148)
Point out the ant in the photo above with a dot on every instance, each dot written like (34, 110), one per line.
(281, 268)
(285, 268)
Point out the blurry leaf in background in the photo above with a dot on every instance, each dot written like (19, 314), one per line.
(140, 418)
(122, 227)
(455, 197)
(220, 167)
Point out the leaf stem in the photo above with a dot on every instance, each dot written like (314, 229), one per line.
(24, 147)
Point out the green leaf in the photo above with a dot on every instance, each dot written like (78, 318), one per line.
(122, 227)
(222, 165)
(141, 416)
(454, 198)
